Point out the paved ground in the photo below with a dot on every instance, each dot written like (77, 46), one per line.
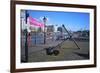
(68, 51)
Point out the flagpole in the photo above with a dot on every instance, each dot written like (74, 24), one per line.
(26, 46)
(26, 37)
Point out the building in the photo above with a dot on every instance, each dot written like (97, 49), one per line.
(49, 31)
(84, 35)
(50, 28)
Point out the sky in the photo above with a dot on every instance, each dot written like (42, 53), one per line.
(73, 21)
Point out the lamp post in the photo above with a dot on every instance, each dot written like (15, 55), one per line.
(44, 20)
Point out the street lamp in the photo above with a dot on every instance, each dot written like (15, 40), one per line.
(44, 20)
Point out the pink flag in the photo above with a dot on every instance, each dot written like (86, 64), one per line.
(34, 22)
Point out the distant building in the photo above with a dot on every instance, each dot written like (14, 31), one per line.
(81, 34)
(50, 28)
(50, 31)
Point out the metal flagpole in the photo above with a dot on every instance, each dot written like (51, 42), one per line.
(26, 37)
(26, 46)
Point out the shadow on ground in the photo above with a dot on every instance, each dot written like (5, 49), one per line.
(85, 56)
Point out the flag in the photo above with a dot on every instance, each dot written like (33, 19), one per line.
(34, 22)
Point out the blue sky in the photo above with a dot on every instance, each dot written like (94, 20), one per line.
(72, 20)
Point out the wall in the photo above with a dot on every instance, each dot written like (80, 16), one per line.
(5, 36)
